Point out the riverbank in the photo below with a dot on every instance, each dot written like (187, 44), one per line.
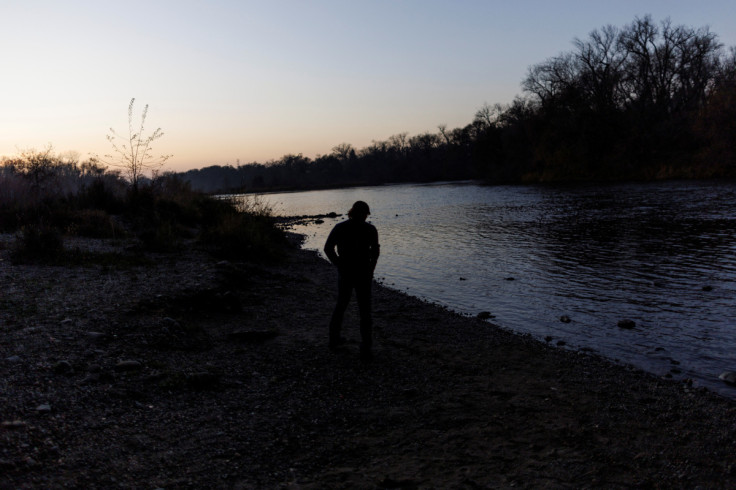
(192, 372)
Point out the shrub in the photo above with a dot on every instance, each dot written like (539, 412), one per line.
(161, 237)
(244, 236)
(102, 193)
(37, 243)
(94, 223)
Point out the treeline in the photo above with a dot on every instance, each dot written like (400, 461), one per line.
(399, 159)
(645, 101)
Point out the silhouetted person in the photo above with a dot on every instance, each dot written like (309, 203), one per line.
(356, 257)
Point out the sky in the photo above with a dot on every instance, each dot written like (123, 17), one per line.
(251, 81)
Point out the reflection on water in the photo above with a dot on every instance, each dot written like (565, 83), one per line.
(663, 255)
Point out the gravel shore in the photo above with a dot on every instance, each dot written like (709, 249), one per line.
(182, 371)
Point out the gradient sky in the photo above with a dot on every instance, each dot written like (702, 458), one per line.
(255, 80)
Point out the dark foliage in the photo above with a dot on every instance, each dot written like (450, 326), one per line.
(162, 215)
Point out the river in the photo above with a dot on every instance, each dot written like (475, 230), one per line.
(565, 263)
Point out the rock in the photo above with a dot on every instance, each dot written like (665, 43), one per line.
(203, 380)
(729, 377)
(95, 335)
(510, 279)
(253, 335)
(463, 279)
(63, 367)
(548, 338)
(707, 288)
(170, 323)
(43, 408)
(13, 359)
(90, 379)
(626, 324)
(565, 319)
(561, 343)
(484, 315)
(128, 365)
(67, 321)
(319, 221)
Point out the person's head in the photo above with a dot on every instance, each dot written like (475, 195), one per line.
(359, 211)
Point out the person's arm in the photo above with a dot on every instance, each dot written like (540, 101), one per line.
(375, 249)
(330, 248)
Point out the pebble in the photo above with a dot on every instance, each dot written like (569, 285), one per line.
(565, 319)
(43, 408)
(13, 359)
(128, 365)
(484, 315)
(729, 377)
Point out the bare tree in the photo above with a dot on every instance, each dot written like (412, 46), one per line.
(399, 142)
(36, 166)
(600, 62)
(344, 151)
(444, 133)
(135, 155)
(669, 67)
(553, 77)
(488, 114)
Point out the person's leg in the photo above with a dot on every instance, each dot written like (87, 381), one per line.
(363, 294)
(344, 291)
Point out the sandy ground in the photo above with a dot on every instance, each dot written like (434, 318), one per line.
(194, 373)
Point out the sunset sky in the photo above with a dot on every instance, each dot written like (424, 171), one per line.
(254, 80)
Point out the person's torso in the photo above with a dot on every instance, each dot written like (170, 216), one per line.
(355, 241)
